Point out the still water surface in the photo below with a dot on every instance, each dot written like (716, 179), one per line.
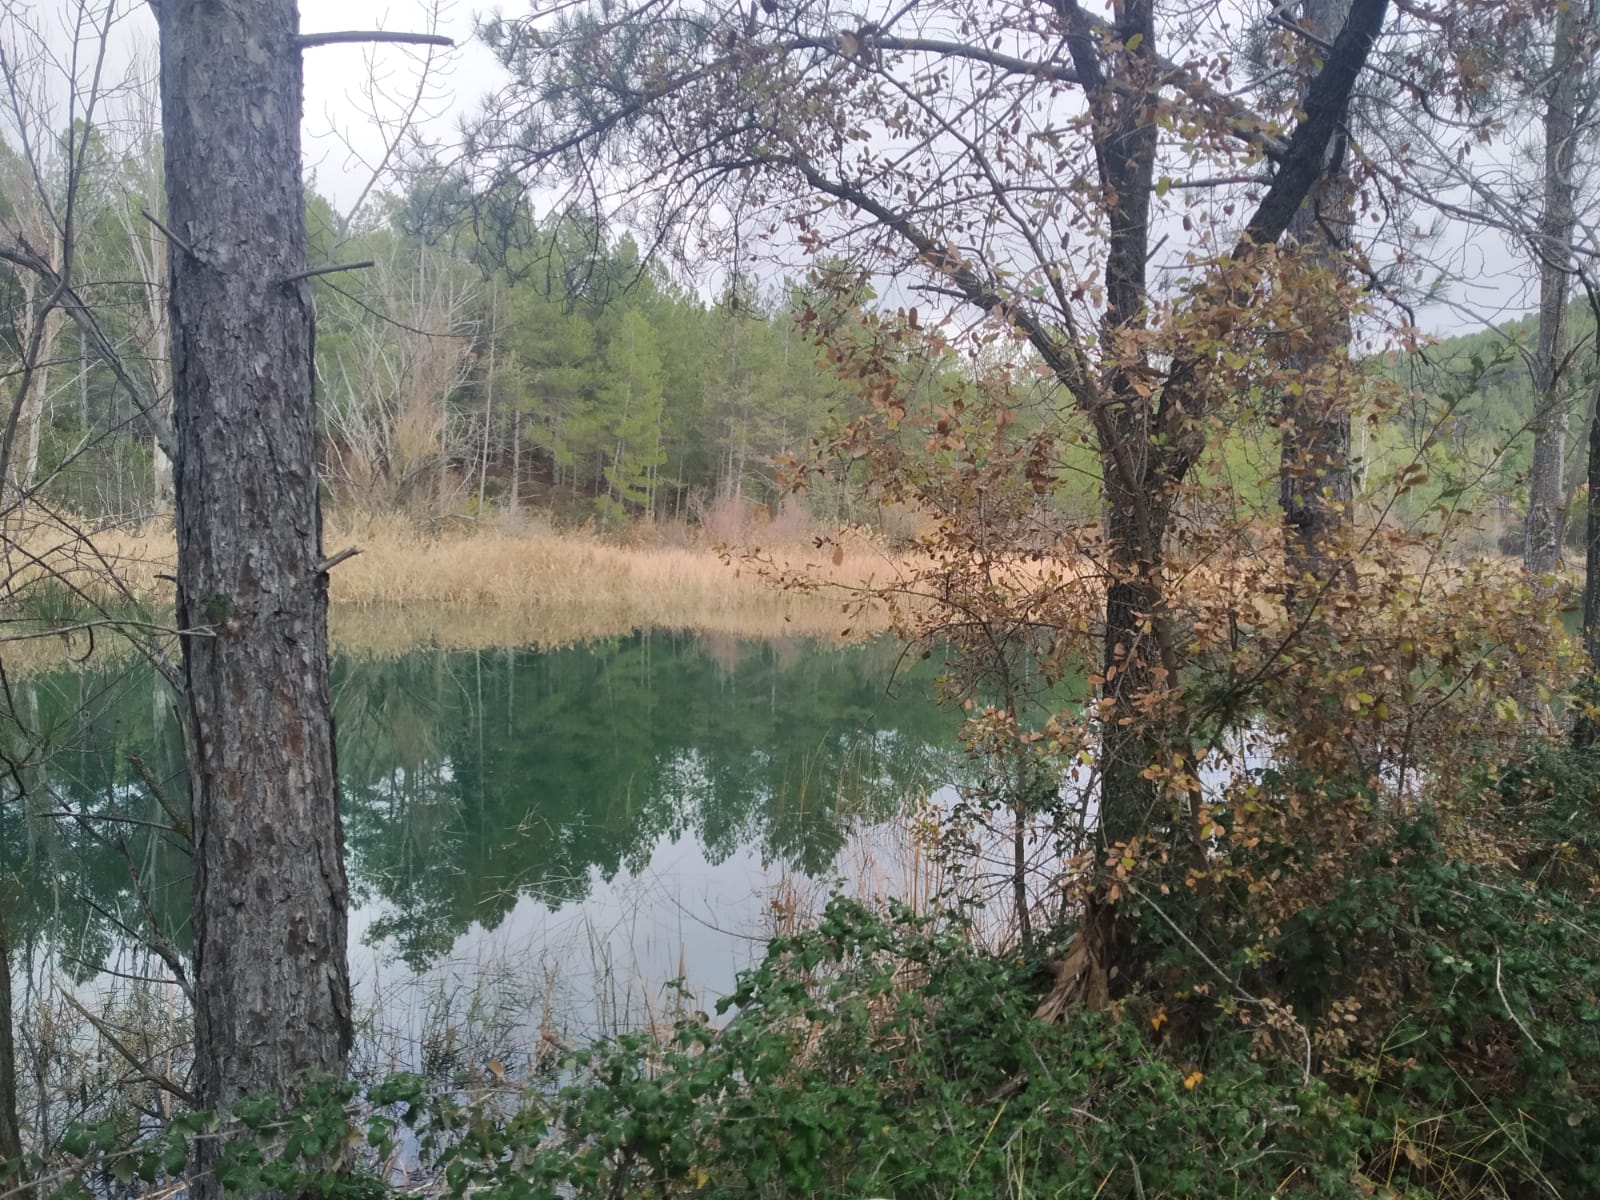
(586, 822)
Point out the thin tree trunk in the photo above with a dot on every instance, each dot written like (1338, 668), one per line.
(1541, 550)
(36, 409)
(272, 984)
(10, 1127)
(1019, 855)
(161, 482)
(488, 401)
(83, 381)
(516, 458)
(35, 319)
(1315, 488)
(43, 352)
(1586, 732)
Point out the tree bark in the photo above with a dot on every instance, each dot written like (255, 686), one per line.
(1315, 489)
(270, 897)
(1586, 731)
(1125, 148)
(1541, 550)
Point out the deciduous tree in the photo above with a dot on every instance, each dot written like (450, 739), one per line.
(1017, 159)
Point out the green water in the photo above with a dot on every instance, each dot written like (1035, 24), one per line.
(623, 806)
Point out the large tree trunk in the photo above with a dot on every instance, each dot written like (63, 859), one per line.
(272, 983)
(1541, 550)
(1315, 488)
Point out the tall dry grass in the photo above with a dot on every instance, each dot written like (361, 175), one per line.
(468, 589)
(667, 586)
(104, 567)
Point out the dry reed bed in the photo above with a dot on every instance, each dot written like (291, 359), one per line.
(494, 570)
(391, 632)
(107, 567)
(472, 590)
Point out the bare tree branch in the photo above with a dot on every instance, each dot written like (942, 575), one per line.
(344, 37)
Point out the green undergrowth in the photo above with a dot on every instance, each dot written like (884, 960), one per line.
(1429, 1027)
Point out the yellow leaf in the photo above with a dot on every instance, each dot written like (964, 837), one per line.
(1193, 1080)
(1160, 1019)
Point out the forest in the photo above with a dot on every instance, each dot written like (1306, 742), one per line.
(808, 598)
(574, 380)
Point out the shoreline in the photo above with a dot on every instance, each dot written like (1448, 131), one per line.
(474, 590)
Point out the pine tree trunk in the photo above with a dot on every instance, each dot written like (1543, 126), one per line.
(1541, 550)
(272, 983)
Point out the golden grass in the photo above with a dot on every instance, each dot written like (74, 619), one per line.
(380, 632)
(468, 590)
(607, 584)
(108, 567)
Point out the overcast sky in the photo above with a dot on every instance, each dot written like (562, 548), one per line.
(346, 84)
(1494, 281)
(355, 94)
(351, 90)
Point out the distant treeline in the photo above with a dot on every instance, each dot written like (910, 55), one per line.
(1461, 411)
(489, 360)
(553, 368)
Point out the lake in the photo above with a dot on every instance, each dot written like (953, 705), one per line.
(531, 834)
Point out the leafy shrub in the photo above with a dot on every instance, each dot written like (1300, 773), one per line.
(1426, 1026)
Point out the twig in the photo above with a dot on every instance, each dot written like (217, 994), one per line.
(144, 1071)
(110, 818)
(329, 269)
(308, 40)
(116, 623)
(157, 940)
(329, 564)
(1516, 1019)
(180, 823)
(170, 236)
(83, 317)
